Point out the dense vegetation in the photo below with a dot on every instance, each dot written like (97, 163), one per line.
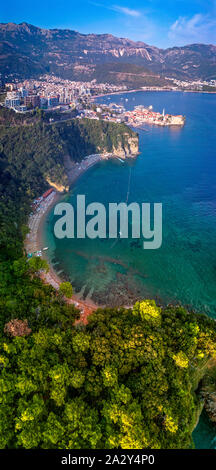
(35, 152)
(127, 379)
(85, 136)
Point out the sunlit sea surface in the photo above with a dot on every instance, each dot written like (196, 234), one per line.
(177, 167)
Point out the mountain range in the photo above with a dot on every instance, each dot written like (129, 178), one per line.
(27, 51)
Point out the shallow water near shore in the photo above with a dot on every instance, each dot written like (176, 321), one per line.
(177, 166)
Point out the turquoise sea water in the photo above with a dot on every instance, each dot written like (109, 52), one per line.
(177, 166)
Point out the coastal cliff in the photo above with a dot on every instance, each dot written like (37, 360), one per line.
(129, 149)
(35, 152)
(83, 137)
(87, 137)
(208, 391)
(59, 187)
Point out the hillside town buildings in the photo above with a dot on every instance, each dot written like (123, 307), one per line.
(49, 92)
(52, 93)
(141, 115)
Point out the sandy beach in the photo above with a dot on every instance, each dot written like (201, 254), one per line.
(34, 242)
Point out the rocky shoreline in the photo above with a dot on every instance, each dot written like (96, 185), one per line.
(208, 391)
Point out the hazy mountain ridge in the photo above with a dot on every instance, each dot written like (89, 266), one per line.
(28, 50)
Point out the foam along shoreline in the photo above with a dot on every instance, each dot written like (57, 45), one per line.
(76, 169)
(33, 242)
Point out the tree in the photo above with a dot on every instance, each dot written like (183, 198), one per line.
(66, 289)
(148, 310)
(37, 264)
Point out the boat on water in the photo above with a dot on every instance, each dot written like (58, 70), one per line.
(45, 248)
(121, 160)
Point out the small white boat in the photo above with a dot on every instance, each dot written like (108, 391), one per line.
(121, 160)
(46, 248)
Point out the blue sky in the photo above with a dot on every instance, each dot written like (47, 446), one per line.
(162, 23)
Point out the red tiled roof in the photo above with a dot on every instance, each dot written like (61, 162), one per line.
(47, 193)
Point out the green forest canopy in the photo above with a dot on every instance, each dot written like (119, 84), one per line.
(126, 380)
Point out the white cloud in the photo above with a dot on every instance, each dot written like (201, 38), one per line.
(126, 11)
(198, 28)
